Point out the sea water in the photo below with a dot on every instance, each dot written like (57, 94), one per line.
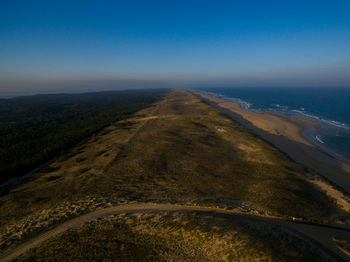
(329, 107)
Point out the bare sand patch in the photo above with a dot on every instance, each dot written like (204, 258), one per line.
(334, 193)
(273, 124)
(345, 166)
(343, 245)
(306, 121)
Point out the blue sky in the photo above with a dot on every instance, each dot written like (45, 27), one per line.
(193, 42)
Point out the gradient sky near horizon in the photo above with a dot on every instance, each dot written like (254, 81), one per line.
(195, 42)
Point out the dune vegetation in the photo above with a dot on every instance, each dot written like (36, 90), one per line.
(34, 129)
(173, 237)
(178, 150)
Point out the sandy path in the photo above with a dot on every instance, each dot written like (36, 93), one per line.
(320, 236)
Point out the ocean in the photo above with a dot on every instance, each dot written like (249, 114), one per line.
(330, 107)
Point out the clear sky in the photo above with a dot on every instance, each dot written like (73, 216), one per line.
(189, 42)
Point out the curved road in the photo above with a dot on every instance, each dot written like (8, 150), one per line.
(318, 235)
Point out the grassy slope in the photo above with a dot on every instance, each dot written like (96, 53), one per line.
(178, 150)
(192, 152)
(173, 237)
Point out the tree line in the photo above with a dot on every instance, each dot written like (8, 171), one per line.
(34, 129)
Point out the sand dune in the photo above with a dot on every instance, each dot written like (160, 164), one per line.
(286, 134)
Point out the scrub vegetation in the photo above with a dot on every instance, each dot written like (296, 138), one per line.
(34, 129)
(174, 237)
(178, 150)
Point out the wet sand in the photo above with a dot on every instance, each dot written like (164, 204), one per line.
(286, 135)
(271, 123)
(306, 121)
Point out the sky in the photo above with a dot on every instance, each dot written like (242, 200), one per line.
(57, 44)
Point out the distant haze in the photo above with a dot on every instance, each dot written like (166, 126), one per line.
(76, 46)
(13, 88)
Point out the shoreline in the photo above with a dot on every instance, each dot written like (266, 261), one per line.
(287, 135)
(272, 123)
(294, 127)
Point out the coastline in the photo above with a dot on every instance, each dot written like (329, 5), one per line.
(291, 127)
(271, 123)
(287, 135)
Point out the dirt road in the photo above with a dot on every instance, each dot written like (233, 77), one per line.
(318, 235)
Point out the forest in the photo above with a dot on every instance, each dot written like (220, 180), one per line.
(35, 129)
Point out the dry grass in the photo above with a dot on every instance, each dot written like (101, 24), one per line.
(179, 150)
(343, 245)
(173, 237)
(342, 200)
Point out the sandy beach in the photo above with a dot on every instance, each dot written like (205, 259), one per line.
(271, 123)
(286, 134)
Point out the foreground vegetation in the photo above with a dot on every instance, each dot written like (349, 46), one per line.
(174, 237)
(178, 150)
(34, 129)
